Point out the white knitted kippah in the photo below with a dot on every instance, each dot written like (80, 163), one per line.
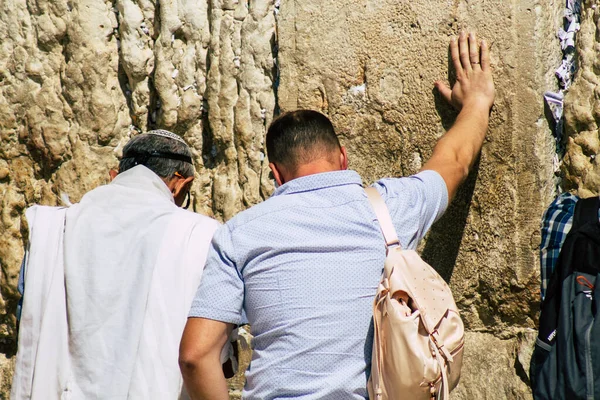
(167, 134)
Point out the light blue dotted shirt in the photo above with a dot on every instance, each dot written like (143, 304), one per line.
(304, 266)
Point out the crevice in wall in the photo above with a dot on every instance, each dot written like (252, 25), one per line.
(212, 146)
(154, 99)
(121, 73)
(275, 49)
(209, 149)
(554, 101)
(275, 76)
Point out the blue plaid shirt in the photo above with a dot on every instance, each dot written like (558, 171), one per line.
(556, 224)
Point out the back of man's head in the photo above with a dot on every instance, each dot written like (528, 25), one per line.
(301, 137)
(161, 151)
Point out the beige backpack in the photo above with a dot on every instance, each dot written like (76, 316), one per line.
(419, 336)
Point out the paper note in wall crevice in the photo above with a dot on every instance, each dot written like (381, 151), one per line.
(556, 103)
(566, 70)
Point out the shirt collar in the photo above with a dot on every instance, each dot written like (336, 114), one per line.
(319, 181)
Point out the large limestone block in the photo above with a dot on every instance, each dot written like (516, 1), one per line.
(371, 65)
(507, 373)
(581, 168)
(241, 102)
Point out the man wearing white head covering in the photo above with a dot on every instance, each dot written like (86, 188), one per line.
(108, 282)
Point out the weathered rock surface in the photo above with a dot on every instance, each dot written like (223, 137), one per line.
(78, 78)
(581, 169)
(507, 360)
(371, 65)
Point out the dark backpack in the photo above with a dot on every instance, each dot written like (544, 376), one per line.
(566, 358)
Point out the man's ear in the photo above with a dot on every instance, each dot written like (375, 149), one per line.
(343, 158)
(180, 186)
(113, 174)
(276, 174)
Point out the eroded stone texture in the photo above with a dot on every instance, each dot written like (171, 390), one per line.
(506, 374)
(61, 112)
(371, 65)
(79, 78)
(7, 367)
(241, 101)
(581, 168)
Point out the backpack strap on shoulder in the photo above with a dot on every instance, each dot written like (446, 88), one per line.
(383, 216)
(586, 210)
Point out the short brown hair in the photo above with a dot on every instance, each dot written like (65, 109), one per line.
(298, 137)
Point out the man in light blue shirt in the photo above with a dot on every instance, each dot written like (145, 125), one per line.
(304, 265)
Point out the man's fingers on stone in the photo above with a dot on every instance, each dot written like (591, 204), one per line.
(473, 50)
(485, 56)
(455, 56)
(463, 49)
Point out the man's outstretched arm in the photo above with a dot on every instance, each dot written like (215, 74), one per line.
(473, 95)
(199, 358)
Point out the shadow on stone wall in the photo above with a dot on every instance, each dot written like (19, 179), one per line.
(445, 236)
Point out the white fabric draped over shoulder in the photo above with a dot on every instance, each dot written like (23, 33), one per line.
(42, 367)
(131, 265)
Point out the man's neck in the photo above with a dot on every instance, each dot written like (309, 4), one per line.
(315, 167)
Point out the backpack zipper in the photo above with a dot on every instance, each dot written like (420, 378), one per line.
(589, 373)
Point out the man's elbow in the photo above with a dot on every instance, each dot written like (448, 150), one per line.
(458, 164)
(189, 361)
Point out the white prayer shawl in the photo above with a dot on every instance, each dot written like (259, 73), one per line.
(42, 366)
(132, 264)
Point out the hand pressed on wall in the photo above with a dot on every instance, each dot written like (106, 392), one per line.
(474, 85)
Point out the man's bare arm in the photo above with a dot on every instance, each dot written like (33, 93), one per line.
(199, 358)
(473, 95)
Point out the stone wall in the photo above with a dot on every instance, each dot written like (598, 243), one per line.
(371, 65)
(79, 78)
(581, 169)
